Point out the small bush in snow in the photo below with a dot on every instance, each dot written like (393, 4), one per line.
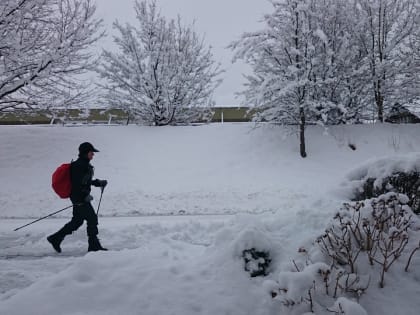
(253, 247)
(256, 262)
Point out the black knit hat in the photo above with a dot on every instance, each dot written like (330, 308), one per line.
(86, 147)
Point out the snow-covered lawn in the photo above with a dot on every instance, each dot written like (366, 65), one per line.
(181, 205)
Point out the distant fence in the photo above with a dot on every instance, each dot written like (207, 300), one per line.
(105, 116)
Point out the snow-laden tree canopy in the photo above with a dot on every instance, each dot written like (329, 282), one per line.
(163, 71)
(332, 61)
(44, 49)
(387, 33)
(298, 62)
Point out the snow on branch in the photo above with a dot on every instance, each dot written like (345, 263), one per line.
(43, 50)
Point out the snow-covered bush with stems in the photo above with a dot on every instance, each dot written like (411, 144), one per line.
(360, 245)
(376, 231)
(369, 245)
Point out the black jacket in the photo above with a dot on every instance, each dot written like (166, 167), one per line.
(81, 179)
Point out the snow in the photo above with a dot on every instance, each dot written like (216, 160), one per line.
(181, 205)
(348, 307)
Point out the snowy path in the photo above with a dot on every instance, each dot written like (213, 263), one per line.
(171, 256)
(26, 256)
(178, 253)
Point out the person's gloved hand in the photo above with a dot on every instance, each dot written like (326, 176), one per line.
(103, 183)
(88, 198)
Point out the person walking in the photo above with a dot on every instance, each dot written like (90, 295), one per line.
(81, 172)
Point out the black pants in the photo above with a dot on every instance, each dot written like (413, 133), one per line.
(81, 213)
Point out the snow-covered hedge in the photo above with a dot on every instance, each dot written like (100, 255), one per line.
(390, 174)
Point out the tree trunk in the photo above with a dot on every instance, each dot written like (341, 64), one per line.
(380, 104)
(302, 132)
(379, 100)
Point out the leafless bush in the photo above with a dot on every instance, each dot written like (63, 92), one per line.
(377, 229)
(374, 232)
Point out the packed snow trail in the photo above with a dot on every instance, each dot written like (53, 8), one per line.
(30, 244)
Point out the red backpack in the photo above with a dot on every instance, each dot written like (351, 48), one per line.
(61, 180)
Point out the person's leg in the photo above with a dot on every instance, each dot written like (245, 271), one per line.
(75, 222)
(92, 229)
(91, 220)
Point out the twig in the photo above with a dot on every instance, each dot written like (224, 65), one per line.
(296, 266)
(411, 256)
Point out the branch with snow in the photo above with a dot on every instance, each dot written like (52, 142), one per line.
(43, 50)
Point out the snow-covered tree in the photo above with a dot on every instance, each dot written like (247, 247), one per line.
(296, 71)
(163, 71)
(387, 32)
(338, 86)
(44, 50)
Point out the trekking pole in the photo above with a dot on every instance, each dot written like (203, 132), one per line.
(100, 198)
(42, 218)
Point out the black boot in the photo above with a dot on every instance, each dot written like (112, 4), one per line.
(55, 240)
(95, 245)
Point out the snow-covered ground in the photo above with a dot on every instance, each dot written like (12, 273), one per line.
(181, 204)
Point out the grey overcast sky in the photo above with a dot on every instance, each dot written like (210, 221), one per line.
(221, 21)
